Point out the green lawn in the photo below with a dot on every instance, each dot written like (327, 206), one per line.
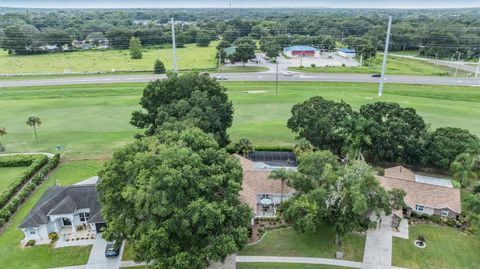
(242, 69)
(8, 175)
(128, 252)
(44, 256)
(395, 66)
(261, 265)
(287, 242)
(90, 121)
(446, 249)
(190, 57)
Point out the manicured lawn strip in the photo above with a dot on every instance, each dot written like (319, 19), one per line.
(8, 175)
(128, 253)
(395, 66)
(287, 242)
(44, 256)
(446, 248)
(242, 69)
(190, 57)
(262, 265)
(90, 121)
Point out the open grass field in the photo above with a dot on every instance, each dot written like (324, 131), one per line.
(8, 175)
(395, 66)
(287, 242)
(90, 121)
(45, 256)
(446, 248)
(189, 57)
(261, 265)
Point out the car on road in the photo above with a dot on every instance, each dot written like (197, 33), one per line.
(376, 75)
(222, 78)
(287, 74)
(112, 250)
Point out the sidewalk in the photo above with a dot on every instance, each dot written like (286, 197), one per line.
(267, 259)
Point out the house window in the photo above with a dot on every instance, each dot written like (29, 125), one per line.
(84, 216)
(32, 232)
(265, 196)
(445, 212)
(419, 207)
(66, 222)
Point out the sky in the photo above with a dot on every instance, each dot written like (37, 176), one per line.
(238, 3)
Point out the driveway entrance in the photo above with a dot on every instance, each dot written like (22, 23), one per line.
(97, 259)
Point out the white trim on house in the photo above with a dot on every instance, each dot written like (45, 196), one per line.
(423, 209)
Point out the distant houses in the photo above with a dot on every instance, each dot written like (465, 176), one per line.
(347, 53)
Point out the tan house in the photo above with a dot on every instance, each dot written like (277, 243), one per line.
(260, 192)
(424, 195)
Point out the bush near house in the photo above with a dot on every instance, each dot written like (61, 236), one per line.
(34, 163)
(14, 203)
(53, 236)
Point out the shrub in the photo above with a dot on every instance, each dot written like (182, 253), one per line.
(30, 243)
(17, 160)
(451, 222)
(80, 227)
(436, 219)
(11, 207)
(313, 65)
(53, 236)
(476, 188)
(159, 67)
(456, 184)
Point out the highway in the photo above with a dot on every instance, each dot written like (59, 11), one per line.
(360, 78)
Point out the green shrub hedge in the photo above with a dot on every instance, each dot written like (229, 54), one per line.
(36, 162)
(17, 160)
(38, 178)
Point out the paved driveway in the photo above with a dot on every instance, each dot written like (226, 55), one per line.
(97, 259)
(378, 246)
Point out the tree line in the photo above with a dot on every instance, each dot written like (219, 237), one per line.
(434, 33)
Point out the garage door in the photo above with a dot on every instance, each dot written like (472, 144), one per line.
(100, 226)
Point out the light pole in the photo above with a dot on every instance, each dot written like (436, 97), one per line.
(174, 48)
(276, 78)
(384, 65)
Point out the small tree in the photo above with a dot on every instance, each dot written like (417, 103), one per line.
(34, 121)
(203, 39)
(272, 50)
(244, 146)
(135, 47)
(283, 175)
(159, 67)
(245, 50)
(463, 167)
(3, 132)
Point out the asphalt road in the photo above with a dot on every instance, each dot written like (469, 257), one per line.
(361, 78)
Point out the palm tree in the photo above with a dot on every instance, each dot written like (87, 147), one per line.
(3, 132)
(244, 146)
(283, 175)
(355, 136)
(465, 164)
(34, 121)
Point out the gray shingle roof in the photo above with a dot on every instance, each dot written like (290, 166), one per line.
(64, 200)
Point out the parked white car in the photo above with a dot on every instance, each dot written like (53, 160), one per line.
(288, 74)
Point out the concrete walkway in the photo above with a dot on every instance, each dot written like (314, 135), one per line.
(270, 259)
(378, 246)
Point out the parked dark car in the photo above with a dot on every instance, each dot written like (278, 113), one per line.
(376, 75)
(112, 250)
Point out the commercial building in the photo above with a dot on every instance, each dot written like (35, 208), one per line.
(301, 51)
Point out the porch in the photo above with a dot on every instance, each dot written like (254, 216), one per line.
(81, 237)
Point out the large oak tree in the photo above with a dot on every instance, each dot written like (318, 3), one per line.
(174, 197)
(197, 99)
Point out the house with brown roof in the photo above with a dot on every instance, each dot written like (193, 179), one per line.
(424, 195)
(260, 192)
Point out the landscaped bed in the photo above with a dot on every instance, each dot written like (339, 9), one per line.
(446, 248)
(12, 255)
(287, 242)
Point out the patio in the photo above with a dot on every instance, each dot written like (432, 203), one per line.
(69, 238)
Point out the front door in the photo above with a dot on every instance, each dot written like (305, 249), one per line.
(66, 222)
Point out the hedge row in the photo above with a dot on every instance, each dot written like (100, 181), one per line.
(17, 160)
(35, 164)
(38, 178)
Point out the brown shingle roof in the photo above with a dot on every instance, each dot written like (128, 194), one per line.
(399, 172)
(257, 182)
(425, 194)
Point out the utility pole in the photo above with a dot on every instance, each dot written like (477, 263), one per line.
(478, 68)
(276, 78)
(219, 59)
(174, 48)
(385, 55)
(458, 63)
